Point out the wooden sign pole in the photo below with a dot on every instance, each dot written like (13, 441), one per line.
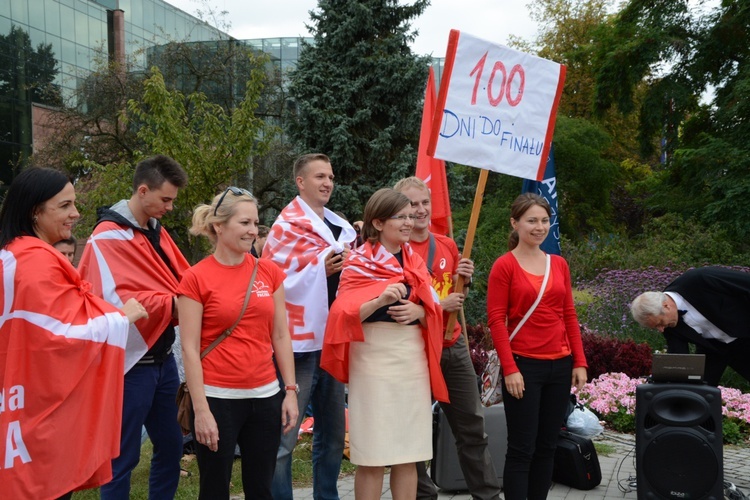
(478, 196)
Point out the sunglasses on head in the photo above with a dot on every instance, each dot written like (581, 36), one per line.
(235, 191)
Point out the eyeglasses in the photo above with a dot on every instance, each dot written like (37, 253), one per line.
(235, 191)
(403, 218)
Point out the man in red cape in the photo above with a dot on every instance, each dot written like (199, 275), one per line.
(131, 255)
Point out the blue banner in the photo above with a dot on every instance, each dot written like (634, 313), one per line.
(547, 189)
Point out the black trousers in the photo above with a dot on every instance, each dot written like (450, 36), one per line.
(534, 423)
(254, 425)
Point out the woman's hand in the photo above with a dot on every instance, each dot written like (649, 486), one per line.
(514, 384)
(289, 412)
(406, 312)
(578, 379)
(206, 431)
(134, 310)
(392, 293)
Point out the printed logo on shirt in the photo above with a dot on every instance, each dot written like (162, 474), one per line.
(442, 263)
(442, 284)
(261, 289)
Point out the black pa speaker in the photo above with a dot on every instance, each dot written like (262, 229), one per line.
(678, 442)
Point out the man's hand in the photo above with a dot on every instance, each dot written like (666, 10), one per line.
(335, 261)
(465, 268)
(453, 302)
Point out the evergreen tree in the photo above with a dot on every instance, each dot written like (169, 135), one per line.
(358, 92)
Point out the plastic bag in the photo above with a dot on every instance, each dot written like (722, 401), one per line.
(492, 379)
(584, 422)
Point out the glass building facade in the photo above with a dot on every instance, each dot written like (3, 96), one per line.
(48, 47)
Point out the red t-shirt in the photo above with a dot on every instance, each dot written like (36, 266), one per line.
(444, 267)
(244, 359)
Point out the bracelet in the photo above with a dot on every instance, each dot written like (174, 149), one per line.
(294, 388)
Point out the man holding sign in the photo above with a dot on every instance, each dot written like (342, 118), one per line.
(464, 412)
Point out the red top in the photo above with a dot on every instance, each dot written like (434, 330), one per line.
(444, 267)
(244, 360)
(551, 332)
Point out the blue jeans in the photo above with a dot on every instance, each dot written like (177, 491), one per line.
(327, 396)
(149, 400)
(534, 423)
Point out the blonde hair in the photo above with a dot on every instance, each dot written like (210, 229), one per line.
(205, 216)
(412, 181)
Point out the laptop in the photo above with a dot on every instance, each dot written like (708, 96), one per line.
(685, 368)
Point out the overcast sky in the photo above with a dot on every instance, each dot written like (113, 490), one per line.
(492, 20)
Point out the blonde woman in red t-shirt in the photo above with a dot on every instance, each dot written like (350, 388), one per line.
(237, 397)
(544, 359)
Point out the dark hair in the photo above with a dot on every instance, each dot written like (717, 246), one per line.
(263, 231)
(26, 194)
(154, 171)
(304, 160)
(519, 207)
(381, 205)
(66, 241)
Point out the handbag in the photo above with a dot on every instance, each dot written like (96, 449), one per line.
(183, 399)
(492, 392)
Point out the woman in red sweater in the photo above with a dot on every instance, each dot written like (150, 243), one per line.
(544, 359)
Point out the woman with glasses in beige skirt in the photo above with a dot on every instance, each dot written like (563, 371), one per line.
(384, 338)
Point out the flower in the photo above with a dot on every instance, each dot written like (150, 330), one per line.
(612, 397)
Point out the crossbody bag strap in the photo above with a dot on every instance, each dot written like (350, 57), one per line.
(536, 302)
(431, 253)
(226, 333)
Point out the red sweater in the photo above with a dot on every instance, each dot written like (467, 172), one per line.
(551, 332)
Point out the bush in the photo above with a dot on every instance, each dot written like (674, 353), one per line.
(607, 354)
(666, 241)
(480, 341)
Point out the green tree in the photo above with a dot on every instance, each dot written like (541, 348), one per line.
(585, 177)
(645, 38)
(91, 123)
(358, 92)
(697, 52)
(566, 36)
(215, 146)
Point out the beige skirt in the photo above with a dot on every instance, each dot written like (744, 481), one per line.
(390, 415)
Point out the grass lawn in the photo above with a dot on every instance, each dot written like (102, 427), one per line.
(188, 488)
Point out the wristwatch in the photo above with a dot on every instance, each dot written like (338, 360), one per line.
(294, 388)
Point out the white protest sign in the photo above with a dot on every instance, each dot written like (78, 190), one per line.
(496, 108)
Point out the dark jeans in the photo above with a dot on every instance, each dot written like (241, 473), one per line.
(328, 399)
(465, 416)
(149, 400)
(534, 423)
(253, 424)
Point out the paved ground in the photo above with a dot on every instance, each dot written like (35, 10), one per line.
(618, 475)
